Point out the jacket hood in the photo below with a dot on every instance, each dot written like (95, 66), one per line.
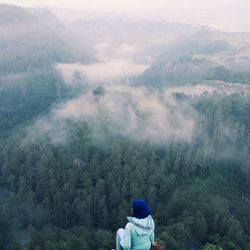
(142, 226)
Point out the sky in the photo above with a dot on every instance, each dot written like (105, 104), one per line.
(230, 15)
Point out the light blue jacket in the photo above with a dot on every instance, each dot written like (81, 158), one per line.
(139, 234)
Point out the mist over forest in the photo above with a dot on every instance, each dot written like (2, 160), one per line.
(99, 108)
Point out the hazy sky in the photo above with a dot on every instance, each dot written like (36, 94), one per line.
(225, 14)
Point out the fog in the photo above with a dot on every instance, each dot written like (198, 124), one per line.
(127, 111)
(101, 101)
(134, 112)
(113, 69)
(228, 15)
(114, 63)
(122, 106)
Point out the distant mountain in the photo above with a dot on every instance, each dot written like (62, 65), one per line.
(10, 14)
(148, 37)
(32, 42)
(206, 55)
(33, 38)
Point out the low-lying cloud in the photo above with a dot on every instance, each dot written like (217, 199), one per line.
(114, 63)
(135, 112)
(98, 72)
(218, 87)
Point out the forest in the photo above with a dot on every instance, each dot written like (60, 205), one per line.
(79, 193)
(74, 155)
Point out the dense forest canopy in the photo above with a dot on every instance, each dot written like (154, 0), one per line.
(75, 148)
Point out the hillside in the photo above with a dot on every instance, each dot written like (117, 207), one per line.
(207, 55)
(150, 38)
(100, 109)
(32, 42)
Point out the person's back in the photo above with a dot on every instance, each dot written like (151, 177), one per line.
(139, 231)
(139, 234)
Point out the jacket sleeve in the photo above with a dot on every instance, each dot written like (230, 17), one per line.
(152, 235)
(126, 241)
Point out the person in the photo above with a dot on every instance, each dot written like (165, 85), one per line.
(139, 231)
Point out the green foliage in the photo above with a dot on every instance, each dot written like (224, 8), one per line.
(29, 95)
(211, 247)
(223, 74)
(76, 195)
(79, 193)
(99, 91)
(14, 246)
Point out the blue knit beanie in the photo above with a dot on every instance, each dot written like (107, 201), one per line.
(140, 209)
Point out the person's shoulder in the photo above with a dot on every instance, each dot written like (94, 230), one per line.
(151, 221)
(151, 218)
(129, 225)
